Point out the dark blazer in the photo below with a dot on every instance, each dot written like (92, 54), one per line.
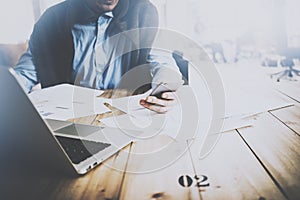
(51, 42)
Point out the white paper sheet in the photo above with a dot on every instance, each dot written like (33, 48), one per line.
(147, 122)
(66, 101)
(186, 120)
(130, 103)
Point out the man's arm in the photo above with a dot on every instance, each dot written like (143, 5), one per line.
(26, 71)
(164, 67)
(164, 70)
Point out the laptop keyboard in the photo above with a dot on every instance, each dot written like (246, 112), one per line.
(79, 150)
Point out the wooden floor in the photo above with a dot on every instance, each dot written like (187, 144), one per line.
(258, 162)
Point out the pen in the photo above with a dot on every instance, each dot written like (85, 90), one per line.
(114, 109)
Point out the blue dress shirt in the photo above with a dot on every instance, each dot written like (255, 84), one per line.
(91, 59)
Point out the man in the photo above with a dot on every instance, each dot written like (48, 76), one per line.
(70, 44)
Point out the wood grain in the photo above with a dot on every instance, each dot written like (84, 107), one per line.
(154, 169)
(289, 116)
(257, 162)
(94, 119)
(233, 172)
(104, 182)
(277, 147)
(290, 89)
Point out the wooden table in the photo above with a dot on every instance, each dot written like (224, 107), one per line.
(258, 162)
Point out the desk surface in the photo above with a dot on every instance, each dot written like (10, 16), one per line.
(257, 162)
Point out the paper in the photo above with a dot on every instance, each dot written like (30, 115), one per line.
(130, 103)
(191, 118)
(249, 93)
(147, 123)
(249, 100)
(66, 101)
(186, 120)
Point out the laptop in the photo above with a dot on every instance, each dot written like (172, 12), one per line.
(25, 137)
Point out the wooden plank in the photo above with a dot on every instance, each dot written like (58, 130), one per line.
(233, 172)
(104, 182)
(154, 169)
(278, 148)
(94, 119)
(232, 123)
(90, 120)
(291, 89)
(289, 116)
(116, 93)
(118, 169)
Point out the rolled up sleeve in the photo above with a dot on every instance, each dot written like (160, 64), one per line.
(164, 67)
(26, 71)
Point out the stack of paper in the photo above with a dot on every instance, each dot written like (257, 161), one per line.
(66, 101)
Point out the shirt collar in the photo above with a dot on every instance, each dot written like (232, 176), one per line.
(109, 14)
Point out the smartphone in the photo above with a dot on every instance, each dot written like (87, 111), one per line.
(165, 87)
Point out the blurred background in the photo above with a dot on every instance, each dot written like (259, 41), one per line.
(235, 30)
(232, 31)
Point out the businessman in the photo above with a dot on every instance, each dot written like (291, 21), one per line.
(69, 45)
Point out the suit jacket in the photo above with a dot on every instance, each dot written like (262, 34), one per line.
(52, 45)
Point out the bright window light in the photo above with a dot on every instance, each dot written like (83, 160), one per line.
(16, 21)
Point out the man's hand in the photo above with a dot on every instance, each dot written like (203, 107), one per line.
(160, 105)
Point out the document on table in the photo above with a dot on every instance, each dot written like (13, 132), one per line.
(66, 101)
(181, 122)
(130, 103)
(147, 123)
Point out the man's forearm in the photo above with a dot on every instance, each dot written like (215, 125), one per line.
(26, 71)
(164, 68)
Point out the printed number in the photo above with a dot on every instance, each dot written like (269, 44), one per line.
(201, 181)
(187, 181)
